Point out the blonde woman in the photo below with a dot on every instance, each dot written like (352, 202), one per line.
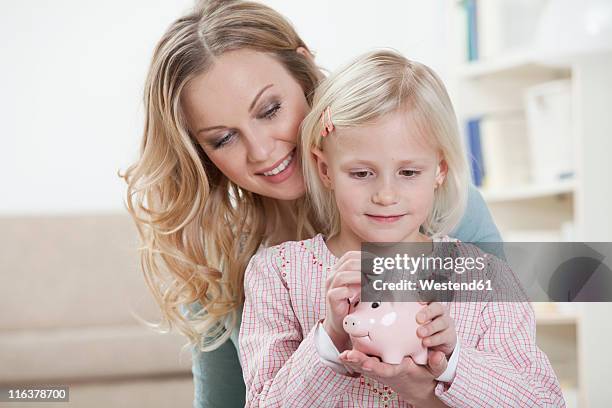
(218, 174)
(383, 162)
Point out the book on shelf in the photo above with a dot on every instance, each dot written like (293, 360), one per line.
(549, 127)
(495, 27)
(474, 151)
(497, 151)
(505, 151)
(472, 29)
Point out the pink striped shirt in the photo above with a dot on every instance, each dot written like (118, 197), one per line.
(499, 363)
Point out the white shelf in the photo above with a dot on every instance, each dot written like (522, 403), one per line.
(528, 192)
(556, 319)
(515, 64)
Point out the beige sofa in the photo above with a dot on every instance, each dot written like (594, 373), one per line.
(70, 286)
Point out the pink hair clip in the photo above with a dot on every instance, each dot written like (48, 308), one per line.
(328, 125)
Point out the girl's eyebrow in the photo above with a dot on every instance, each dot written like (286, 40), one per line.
(356, 161)
(257, 96)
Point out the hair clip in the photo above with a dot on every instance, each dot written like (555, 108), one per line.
(328, 126)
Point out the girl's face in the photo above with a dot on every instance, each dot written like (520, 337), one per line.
(245, 112)
(383, 176)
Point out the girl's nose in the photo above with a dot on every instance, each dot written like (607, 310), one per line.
(385, 196)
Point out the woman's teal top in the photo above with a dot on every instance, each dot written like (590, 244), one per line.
(217, 374)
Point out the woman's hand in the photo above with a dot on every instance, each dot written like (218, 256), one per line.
(342, 285)
(412, 382)
(437, 328)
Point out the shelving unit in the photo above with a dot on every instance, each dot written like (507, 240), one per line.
(529, 192)
(515, 64)
(572, 340)
(557, 336)
(497, 86)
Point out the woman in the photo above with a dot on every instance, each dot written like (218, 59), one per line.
(218, 176)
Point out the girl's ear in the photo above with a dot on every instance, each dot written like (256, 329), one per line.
(441, 173)
(319, 157)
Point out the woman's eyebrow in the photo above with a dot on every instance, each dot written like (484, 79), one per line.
(261, 91)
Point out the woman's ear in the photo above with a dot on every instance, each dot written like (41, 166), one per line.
(319, 157)
(441, 172)
(303, 51)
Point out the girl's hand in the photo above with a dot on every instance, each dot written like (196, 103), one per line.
(437, 328)
(343, 285)
(412, 382)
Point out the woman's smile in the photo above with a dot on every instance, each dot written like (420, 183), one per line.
(281, 170)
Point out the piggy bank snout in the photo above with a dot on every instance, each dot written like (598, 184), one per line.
(353, 326)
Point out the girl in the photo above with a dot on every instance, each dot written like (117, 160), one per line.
(383, 162)
(203, 192)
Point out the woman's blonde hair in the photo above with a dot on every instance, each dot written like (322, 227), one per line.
(373, 85)
(199, 229)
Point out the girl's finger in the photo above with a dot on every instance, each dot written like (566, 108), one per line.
(348, 277)
(444, 337)
(436, 325)
(429, 312)
(343, 293)
(348, 256)
(349, 264)
(354, 356)
(378, 369)
(437, 363)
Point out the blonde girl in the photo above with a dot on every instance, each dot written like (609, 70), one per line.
(217, 176)
(383, 162)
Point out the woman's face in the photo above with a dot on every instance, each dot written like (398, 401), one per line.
(245, 112)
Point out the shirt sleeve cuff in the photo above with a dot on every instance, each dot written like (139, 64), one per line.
(449, 374)
(327, 351)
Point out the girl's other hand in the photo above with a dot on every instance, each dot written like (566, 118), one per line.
(412, 382)
(437, 328)
(342, 286)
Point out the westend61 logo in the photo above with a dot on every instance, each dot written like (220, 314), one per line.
(459, 271)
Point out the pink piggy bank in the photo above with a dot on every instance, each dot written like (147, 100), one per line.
(386, 330)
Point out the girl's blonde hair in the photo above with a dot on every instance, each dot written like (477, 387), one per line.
(373, 85)
(199, 229)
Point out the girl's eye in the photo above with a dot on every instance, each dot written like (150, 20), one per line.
(410, 173)
(224, 140)
(361, 174)
(271, 112)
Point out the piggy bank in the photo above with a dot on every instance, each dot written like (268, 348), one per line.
(386, 330)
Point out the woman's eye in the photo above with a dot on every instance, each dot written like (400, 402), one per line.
(271, 112)
(410, 173)
(360, 174)
(223, 140)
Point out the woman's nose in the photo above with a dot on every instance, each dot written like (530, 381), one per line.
(259, 146)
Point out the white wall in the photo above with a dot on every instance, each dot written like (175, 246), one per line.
(72, 74)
